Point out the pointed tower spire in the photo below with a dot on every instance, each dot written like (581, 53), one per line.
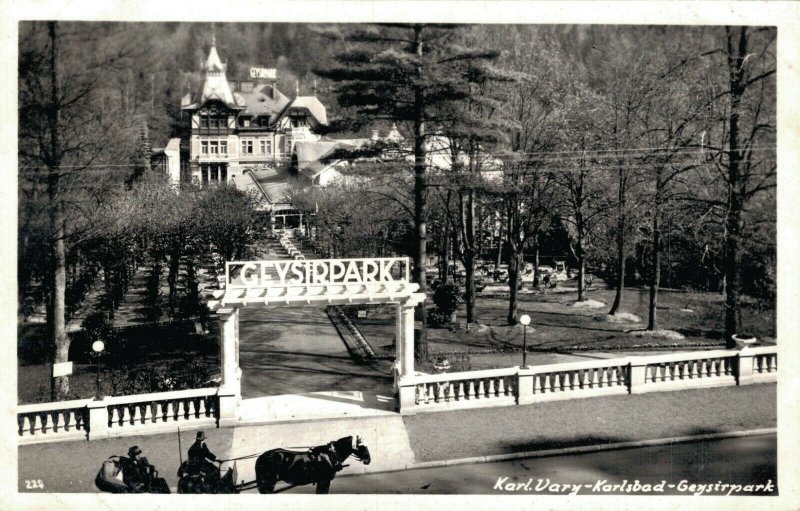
(213, 35)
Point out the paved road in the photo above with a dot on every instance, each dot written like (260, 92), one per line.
(741, 461)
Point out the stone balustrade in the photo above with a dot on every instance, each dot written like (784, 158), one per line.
(466, 389)
(624, 375)
(712, 368)
(573, 379)
(125, 415)
(53, 421)
(191, 407)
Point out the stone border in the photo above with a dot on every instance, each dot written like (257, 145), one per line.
(565, 451)
(351, 336)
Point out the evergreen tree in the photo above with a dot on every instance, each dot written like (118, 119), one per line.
(412, 73)
(142, 158)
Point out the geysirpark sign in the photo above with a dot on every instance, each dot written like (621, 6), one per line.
(264, 73)
(363, 280)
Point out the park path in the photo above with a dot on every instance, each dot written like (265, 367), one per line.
(297, 350)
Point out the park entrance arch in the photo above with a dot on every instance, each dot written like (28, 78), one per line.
(272, 283)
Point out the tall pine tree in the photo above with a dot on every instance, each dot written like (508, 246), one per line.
(417, 74)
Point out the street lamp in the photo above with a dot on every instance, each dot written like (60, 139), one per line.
(525, 320)
(98, 347)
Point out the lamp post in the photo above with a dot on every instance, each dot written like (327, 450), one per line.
(98, 347)
(525, 320)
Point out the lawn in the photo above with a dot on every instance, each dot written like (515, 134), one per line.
(557, 325)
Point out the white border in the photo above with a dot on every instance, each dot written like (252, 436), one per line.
(785, 15)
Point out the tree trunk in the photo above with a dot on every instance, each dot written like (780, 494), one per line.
(620, 245)
(656, 278)
(420, 201)
(172, 278)
(514, 263)
(468, 222)
(444, 259)
(581, 264)
(499, 257)
(56, 311)
(733, 224)
(535, 260)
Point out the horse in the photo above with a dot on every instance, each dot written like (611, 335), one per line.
(318, 465)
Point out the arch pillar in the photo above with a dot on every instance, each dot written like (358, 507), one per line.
(230, 390)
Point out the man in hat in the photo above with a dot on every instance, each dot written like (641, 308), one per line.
(136, 471)
(198, 454)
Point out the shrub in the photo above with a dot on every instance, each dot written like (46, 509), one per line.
(97, 327)
(446, 298)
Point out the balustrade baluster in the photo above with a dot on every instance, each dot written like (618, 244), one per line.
(202, 409)
(37, 423)
(481, 392)
(137, 418)
(181, 410)
(545, 383)
(501, 386)
(158, 414)
(69, 424)
(126, 415)
(191, 409)
(595, 378)
(440, 392)
(585, 378)
(48, 421)
(60, 424)
(113, 417)
(773, 363)
(491, 387)
(430, 393)
(148, 413)
(471, 388)
(461, 390)
(26, 424)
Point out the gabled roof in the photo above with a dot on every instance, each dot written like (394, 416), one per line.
(311, 155)
(264, 100)
(314, 107)
(215, 85)
(271, 183)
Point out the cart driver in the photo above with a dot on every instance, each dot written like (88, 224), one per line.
(198, 454)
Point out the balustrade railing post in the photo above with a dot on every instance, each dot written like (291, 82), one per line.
(408, 397)
(744, 367)
(636, 376)
(525, 387)
(228, 405)
(98, 419)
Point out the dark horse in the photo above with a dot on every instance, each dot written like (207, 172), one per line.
(318, 465)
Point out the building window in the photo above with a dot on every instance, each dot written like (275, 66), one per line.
(213, 147)
(204, 147)
(203, 121)
(247, 146)
(265, 146)
(223, 147)
(214, 173)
